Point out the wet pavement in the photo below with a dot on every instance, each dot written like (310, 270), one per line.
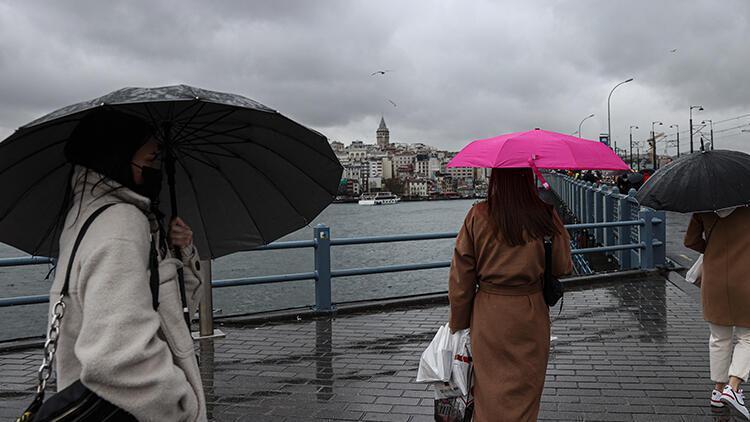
(628, 350)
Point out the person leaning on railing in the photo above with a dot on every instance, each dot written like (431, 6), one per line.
(495, 288)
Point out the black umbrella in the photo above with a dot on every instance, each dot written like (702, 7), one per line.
(242, 173)
(700, 182)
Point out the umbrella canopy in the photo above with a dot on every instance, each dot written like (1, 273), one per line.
(244, 175)
(700, 182)
(538, 148)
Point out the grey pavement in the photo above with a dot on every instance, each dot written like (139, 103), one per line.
(625, 350)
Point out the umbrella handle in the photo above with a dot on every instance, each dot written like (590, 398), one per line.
(538, 173)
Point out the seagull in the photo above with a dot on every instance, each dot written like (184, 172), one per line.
(674, 50)
(394, 104)
(381, 72)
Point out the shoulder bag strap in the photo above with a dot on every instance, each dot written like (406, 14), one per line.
(81, 233)
(58, 310)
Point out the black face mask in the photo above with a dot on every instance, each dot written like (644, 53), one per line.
(151, 187)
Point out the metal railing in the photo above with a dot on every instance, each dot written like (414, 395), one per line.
(613, 215)
(647, 224)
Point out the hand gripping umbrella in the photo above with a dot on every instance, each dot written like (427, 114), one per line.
(701, 182)
(242, 173)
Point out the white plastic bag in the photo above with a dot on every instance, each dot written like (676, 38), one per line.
(435, 364)
(695, 273)
(462, 366)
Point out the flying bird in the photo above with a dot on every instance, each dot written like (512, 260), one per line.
(394, 104)
(674, 50)
(381, 72)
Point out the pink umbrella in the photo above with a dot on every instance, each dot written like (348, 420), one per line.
(538, 149)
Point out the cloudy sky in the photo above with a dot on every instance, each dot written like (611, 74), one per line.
(461, 70)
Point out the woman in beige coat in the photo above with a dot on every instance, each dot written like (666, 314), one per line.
(112, 338)
(724, 239)
(495, 288)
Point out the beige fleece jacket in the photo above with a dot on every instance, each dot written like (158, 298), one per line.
(111, 338)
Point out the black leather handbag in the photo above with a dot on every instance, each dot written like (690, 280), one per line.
(552, 287)
(75, 403)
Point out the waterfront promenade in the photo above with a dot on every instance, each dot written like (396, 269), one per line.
(625, 349)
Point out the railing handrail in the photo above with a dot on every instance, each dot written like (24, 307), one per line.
(347, 272)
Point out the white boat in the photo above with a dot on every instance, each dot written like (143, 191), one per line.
(380, 198)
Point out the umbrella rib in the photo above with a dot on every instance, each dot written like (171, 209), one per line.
(182, 128)
(52, 229)
(269, 180)
(17, 200)
(31, 155)
(178, 141)
(197, 201)
(218, 154)
(225, 148)
(237, 194)
(250, 141)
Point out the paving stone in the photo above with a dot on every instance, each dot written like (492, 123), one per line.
(626, 350)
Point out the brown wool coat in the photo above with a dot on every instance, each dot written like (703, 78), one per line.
(509, 320)
(725, 284)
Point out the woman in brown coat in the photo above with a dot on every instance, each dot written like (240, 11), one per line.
(495, 288)
(724, 239)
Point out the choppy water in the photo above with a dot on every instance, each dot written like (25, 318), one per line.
(345, 220)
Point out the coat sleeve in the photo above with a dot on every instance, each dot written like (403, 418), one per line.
(123, 357)
(463, 278)
(562, 262)
(694, 235)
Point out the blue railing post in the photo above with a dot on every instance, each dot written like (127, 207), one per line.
(323, 300)
(609, 216)
(623, 234)
(647, 238)
(635, 254)
(589, 203)
(660, 238)
(581, 188)
(599, 213)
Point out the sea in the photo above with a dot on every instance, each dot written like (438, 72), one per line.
(345, 220)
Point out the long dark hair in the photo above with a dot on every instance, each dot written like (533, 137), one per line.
(515, 209)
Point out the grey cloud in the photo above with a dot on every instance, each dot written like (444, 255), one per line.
(462, 70)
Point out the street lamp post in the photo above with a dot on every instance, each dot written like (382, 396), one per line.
(609, 126)
(678, 137)
(653, 142)
(711, 122)
(700, 108)
(638, 152)
(631, 144)
(580, 135)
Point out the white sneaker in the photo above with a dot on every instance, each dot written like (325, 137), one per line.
(716, 399)
(736, 399)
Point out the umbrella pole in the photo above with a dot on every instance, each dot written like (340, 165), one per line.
(169, 166)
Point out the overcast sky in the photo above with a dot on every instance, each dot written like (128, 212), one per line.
(461, 70)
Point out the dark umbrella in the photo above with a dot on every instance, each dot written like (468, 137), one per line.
(242, 173)
(700, 182)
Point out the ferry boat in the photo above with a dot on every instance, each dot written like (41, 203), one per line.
(380, 198)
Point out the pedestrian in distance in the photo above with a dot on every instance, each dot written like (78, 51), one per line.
(123, 335)
(495, 288)
(724, 238)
